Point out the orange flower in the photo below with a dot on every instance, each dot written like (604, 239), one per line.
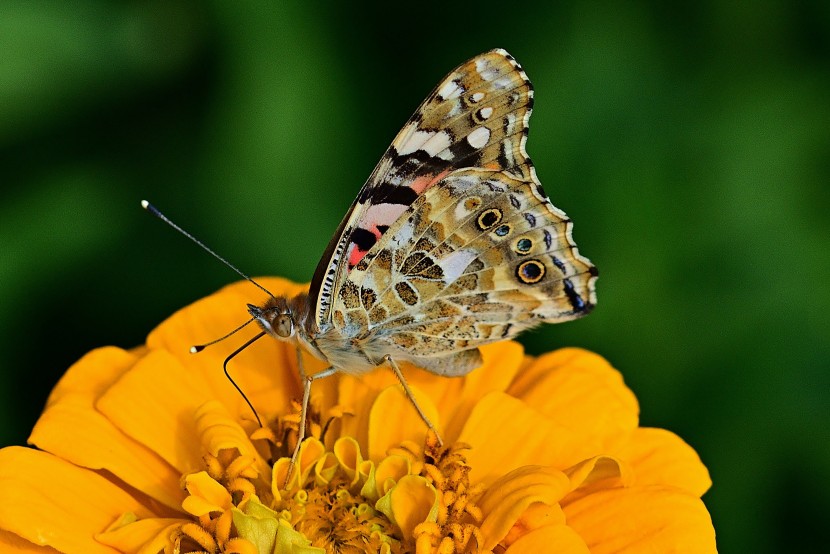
(152, 450)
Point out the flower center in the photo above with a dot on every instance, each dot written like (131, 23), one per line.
(415, 498)
(336, 519)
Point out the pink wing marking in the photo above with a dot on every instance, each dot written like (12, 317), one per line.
(379, 217)
(420, 184)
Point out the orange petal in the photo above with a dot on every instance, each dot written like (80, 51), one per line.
(49, 501)
(154, 403)
(12, 544)
(580, 390)
(660, 457)
(599, 472)
(507, 499)
(502, 361)
(266, 366)
(206, 495)
(219, 432)
(357, 397)
(72, 429)
(506, 434)
(93, 374)
(653, 518)
(552, 538)
(142, 534)
(393, 419)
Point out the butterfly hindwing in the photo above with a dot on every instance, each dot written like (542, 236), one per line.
(477, 258)
(476, 117)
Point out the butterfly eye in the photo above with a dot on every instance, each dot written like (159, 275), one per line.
(284, 325)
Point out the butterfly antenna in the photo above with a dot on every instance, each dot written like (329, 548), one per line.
(228, 375)
(195, 349)
(153, 210)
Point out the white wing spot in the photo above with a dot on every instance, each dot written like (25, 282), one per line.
(487, 71)
(479, 137)
(505, 82)
(485, 113)
(438, 143)
(456, 262)
(450, 90)
(415, 142)
(476, 97)
(510, 128)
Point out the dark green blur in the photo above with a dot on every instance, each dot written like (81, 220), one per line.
(691, 146)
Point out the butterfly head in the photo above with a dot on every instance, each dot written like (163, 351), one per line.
(275, 318)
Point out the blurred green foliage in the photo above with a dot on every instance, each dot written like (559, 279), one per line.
(689, 142)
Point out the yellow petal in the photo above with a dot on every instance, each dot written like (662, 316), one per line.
(290, 541)
(311, 451)
(141, 534)
(653, 518)
(581, 391)
(412, 501)
(154, 403)
(560, 539)
(506, 434)
(389, 471)
(348, 454)
(74, 430)
(12, 544)
(507, 499)
(206, 495)
(49, 501)
(393, 419)
(325, 469)
(659, 457)
(257, 524)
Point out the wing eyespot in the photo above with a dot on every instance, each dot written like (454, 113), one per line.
(488, 218)
(523, 246)
(502, 230)
(530, 272)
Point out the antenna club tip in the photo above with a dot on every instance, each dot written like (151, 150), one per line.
(196, 349)
(145, 204)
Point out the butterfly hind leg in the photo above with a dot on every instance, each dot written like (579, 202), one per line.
(388, 359)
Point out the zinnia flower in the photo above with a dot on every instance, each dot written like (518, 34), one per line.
(152, 450)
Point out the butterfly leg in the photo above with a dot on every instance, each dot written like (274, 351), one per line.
(307, 380)
(388, 359)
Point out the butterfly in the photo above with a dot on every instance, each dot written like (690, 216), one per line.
(451, 243)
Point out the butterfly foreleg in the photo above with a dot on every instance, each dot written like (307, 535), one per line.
(307, 380)
(300, 365)
(388, 359)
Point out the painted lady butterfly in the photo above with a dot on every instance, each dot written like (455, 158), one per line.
(451, 244)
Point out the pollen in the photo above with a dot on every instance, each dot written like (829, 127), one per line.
(457, 527)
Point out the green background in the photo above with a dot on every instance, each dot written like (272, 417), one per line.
(690, 144)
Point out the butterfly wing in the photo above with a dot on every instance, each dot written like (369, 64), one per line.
(476, 117)
(479, 257)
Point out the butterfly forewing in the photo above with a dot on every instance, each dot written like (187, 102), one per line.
(476, 117)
